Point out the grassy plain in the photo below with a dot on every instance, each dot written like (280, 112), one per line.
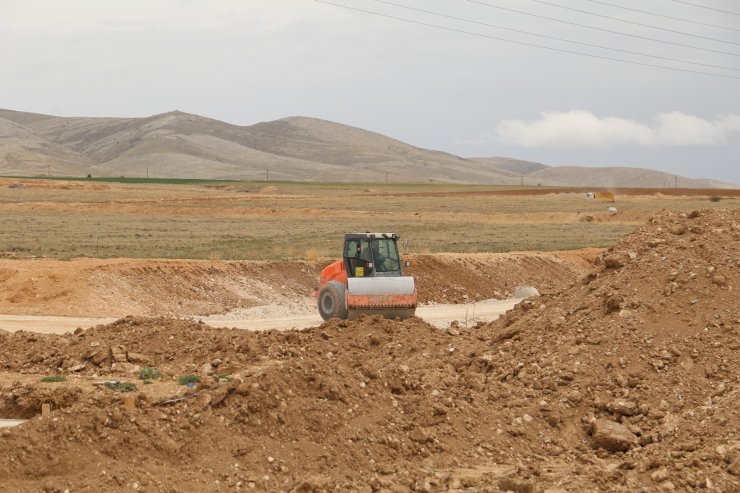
(277, 220)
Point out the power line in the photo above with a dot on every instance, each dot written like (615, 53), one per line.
(636, 23)
(662, 15)
(555, 38)
(601, 29)
(705, 7)
(524, 43)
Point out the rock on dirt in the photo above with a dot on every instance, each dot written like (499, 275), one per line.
(612, 436)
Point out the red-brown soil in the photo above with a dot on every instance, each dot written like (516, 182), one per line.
(181, 288)
(627, 381)
(688, 192)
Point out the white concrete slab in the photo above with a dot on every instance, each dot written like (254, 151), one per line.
(9, 423)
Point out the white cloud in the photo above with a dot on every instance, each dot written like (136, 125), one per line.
(583, 130)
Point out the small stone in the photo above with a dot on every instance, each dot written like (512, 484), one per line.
(667, 486)
(119, 354)
(516, 485)
(660, 475)
(216, 363)
(613, 262)
(734, 468)
(125, 367)
(206, 369)
(453, 331)
(100, 356)
(77, 368)
(270, 460)
(574, 396)
(419, 436)
(525, 292)
(612, 436)
(719, 280)
(138, 358)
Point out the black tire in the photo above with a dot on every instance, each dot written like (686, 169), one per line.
(332, 301)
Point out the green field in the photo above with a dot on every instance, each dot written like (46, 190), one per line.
(259, 221)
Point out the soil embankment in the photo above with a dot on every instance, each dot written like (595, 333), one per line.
(182, 288)
(627, 381)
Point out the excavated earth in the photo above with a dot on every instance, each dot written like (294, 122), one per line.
(181, 288)
(625, 381)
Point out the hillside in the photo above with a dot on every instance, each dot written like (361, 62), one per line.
(512, 167)
(182, 145)
(617, 177)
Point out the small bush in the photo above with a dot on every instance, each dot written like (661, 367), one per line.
(188, 379)
(53, 378)
(149, 374)
(715, 198)
(121, 386)
(222, 378)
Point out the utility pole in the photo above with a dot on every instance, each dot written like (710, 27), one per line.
(147, 172)
(521, 180)
(675, 182)
(386, 177)
(267, 175)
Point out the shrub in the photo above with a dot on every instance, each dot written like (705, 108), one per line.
(149, 374)
(121, 386)
(715, 198)
(188, 379)
(53, 378)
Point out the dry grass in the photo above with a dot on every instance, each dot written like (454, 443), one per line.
(251, 221)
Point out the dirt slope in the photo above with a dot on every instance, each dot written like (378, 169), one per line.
(110, 288)
(625, 382)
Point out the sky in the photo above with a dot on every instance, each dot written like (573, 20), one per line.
(639, 83)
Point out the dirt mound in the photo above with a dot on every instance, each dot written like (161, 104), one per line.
(625, 382)
(455, 278)
(181, 288)
(642, 358)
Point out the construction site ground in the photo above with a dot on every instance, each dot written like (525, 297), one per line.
(622, 376)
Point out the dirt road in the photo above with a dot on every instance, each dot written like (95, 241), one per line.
(438, 315)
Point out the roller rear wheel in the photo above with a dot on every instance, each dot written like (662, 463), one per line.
(332, 301)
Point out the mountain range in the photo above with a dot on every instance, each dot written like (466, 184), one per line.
(182, 145)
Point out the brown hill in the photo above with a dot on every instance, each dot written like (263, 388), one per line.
(24, 152)
(181, 145)
(514, 167)
(618, 177)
